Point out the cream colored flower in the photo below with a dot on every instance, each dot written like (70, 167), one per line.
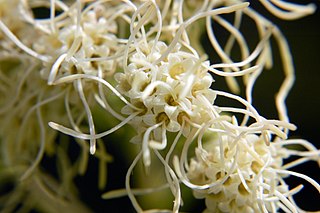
(246, 175)
(162, 87)
(164, 92)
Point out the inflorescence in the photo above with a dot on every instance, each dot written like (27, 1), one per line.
(143, 64)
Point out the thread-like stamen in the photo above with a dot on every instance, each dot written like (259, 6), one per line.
(40, 154)
(128, 187)
(84, 136)
(294, 12)
(74, 77)
(22, 46)
(79, 88)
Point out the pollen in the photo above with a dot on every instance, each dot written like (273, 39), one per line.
(162, 118)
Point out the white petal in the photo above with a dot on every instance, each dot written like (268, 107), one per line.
(149, 119)
(173, 126)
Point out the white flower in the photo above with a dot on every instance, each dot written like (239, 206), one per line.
(164, 92)
(83, 43)
(165, 88)
(244, 176)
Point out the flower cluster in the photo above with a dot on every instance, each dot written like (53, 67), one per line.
(164, 94)
(142, 65)
(245, 175)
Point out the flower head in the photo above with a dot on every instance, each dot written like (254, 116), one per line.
(165, 93)
(141, 63)
(247, 176)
